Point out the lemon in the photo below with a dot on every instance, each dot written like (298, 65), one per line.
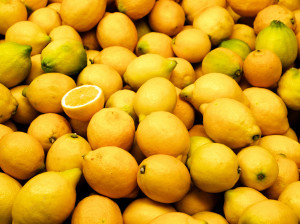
(8, 104)
(51, 195)
(9, 189)
(288, 88)
(238, 46)
(29, 33)
(11, 11)
(156, 94)
(214, 168)
(64, 56)
(148, 66)
(15, 63)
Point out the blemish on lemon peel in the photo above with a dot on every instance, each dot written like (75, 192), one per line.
(260, 176)
(143, 169)
(52, 139)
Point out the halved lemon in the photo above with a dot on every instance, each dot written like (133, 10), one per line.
(82, 102)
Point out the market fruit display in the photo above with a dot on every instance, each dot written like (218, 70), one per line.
(149, 112)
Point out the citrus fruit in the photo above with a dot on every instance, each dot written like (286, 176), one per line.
(230, 122)
(167, 17)
(121, 26)
(9, 188)
(144, 209)
(245, 33)
(269, 110)
(236, 45)
(64, 32)
(82, 102)
(8, 104)
(210, 217)
(36, 68)
(103, 76)
(287, 89)
(207, 172)
(191, 44)
(48, 127)
(162, 132)
(107, 174)
(135, 9)
(153, 178)
(156, 94)
(116, 56)
(28, 33)
(176, 218)
(237, 199)
(11, 12)
(25, 113)
(259, 75)
(5, 130)
(94, 208)
(65, 56)
(147, 66)
(45, 92)
(111, 127)
(83, 16)
(155, 43)
(268, 211)
(22, 156)
(216, 22)
(51, 195)
(67, 152)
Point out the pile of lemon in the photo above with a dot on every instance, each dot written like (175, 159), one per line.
(149, 112)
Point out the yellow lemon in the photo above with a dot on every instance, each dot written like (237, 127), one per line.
(82, 102)
(144, 209)
(82, 16)
(45, 92)
(67, 152)
(196, 201)
(33, 5)
(111, 127)
(208, 165)
(268, 211)
(116, 29)
(135, 9)
(259, 168)
(103, 76)
(64, 32)
(46, 18)
(22, 156)
(15, 63)
(183, 74)
(162, 132)
(117, 57)
(291, 197)
(176, 218)
(89, 39)
(280, 144)
(155, 43)
(270, 113)
(287, 88)
(230, 122)
(96, 207)
(237, 199)
(245, 33)
(107, 174)
(123, 99)
(79, 127)
(153, 178)
(288, 173)
(52, 195)
(167, 17)
(156, 94)
(91, 54)
(8, 104)
(11, 12)
(212, 86)
(191, 44)
(10, 187)
(5, 130)
(216, 22)
(28, 33)
(210, 217)
(147, 66)
(142, 27)
(48, 127)
(25, 113)
(36, 68)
